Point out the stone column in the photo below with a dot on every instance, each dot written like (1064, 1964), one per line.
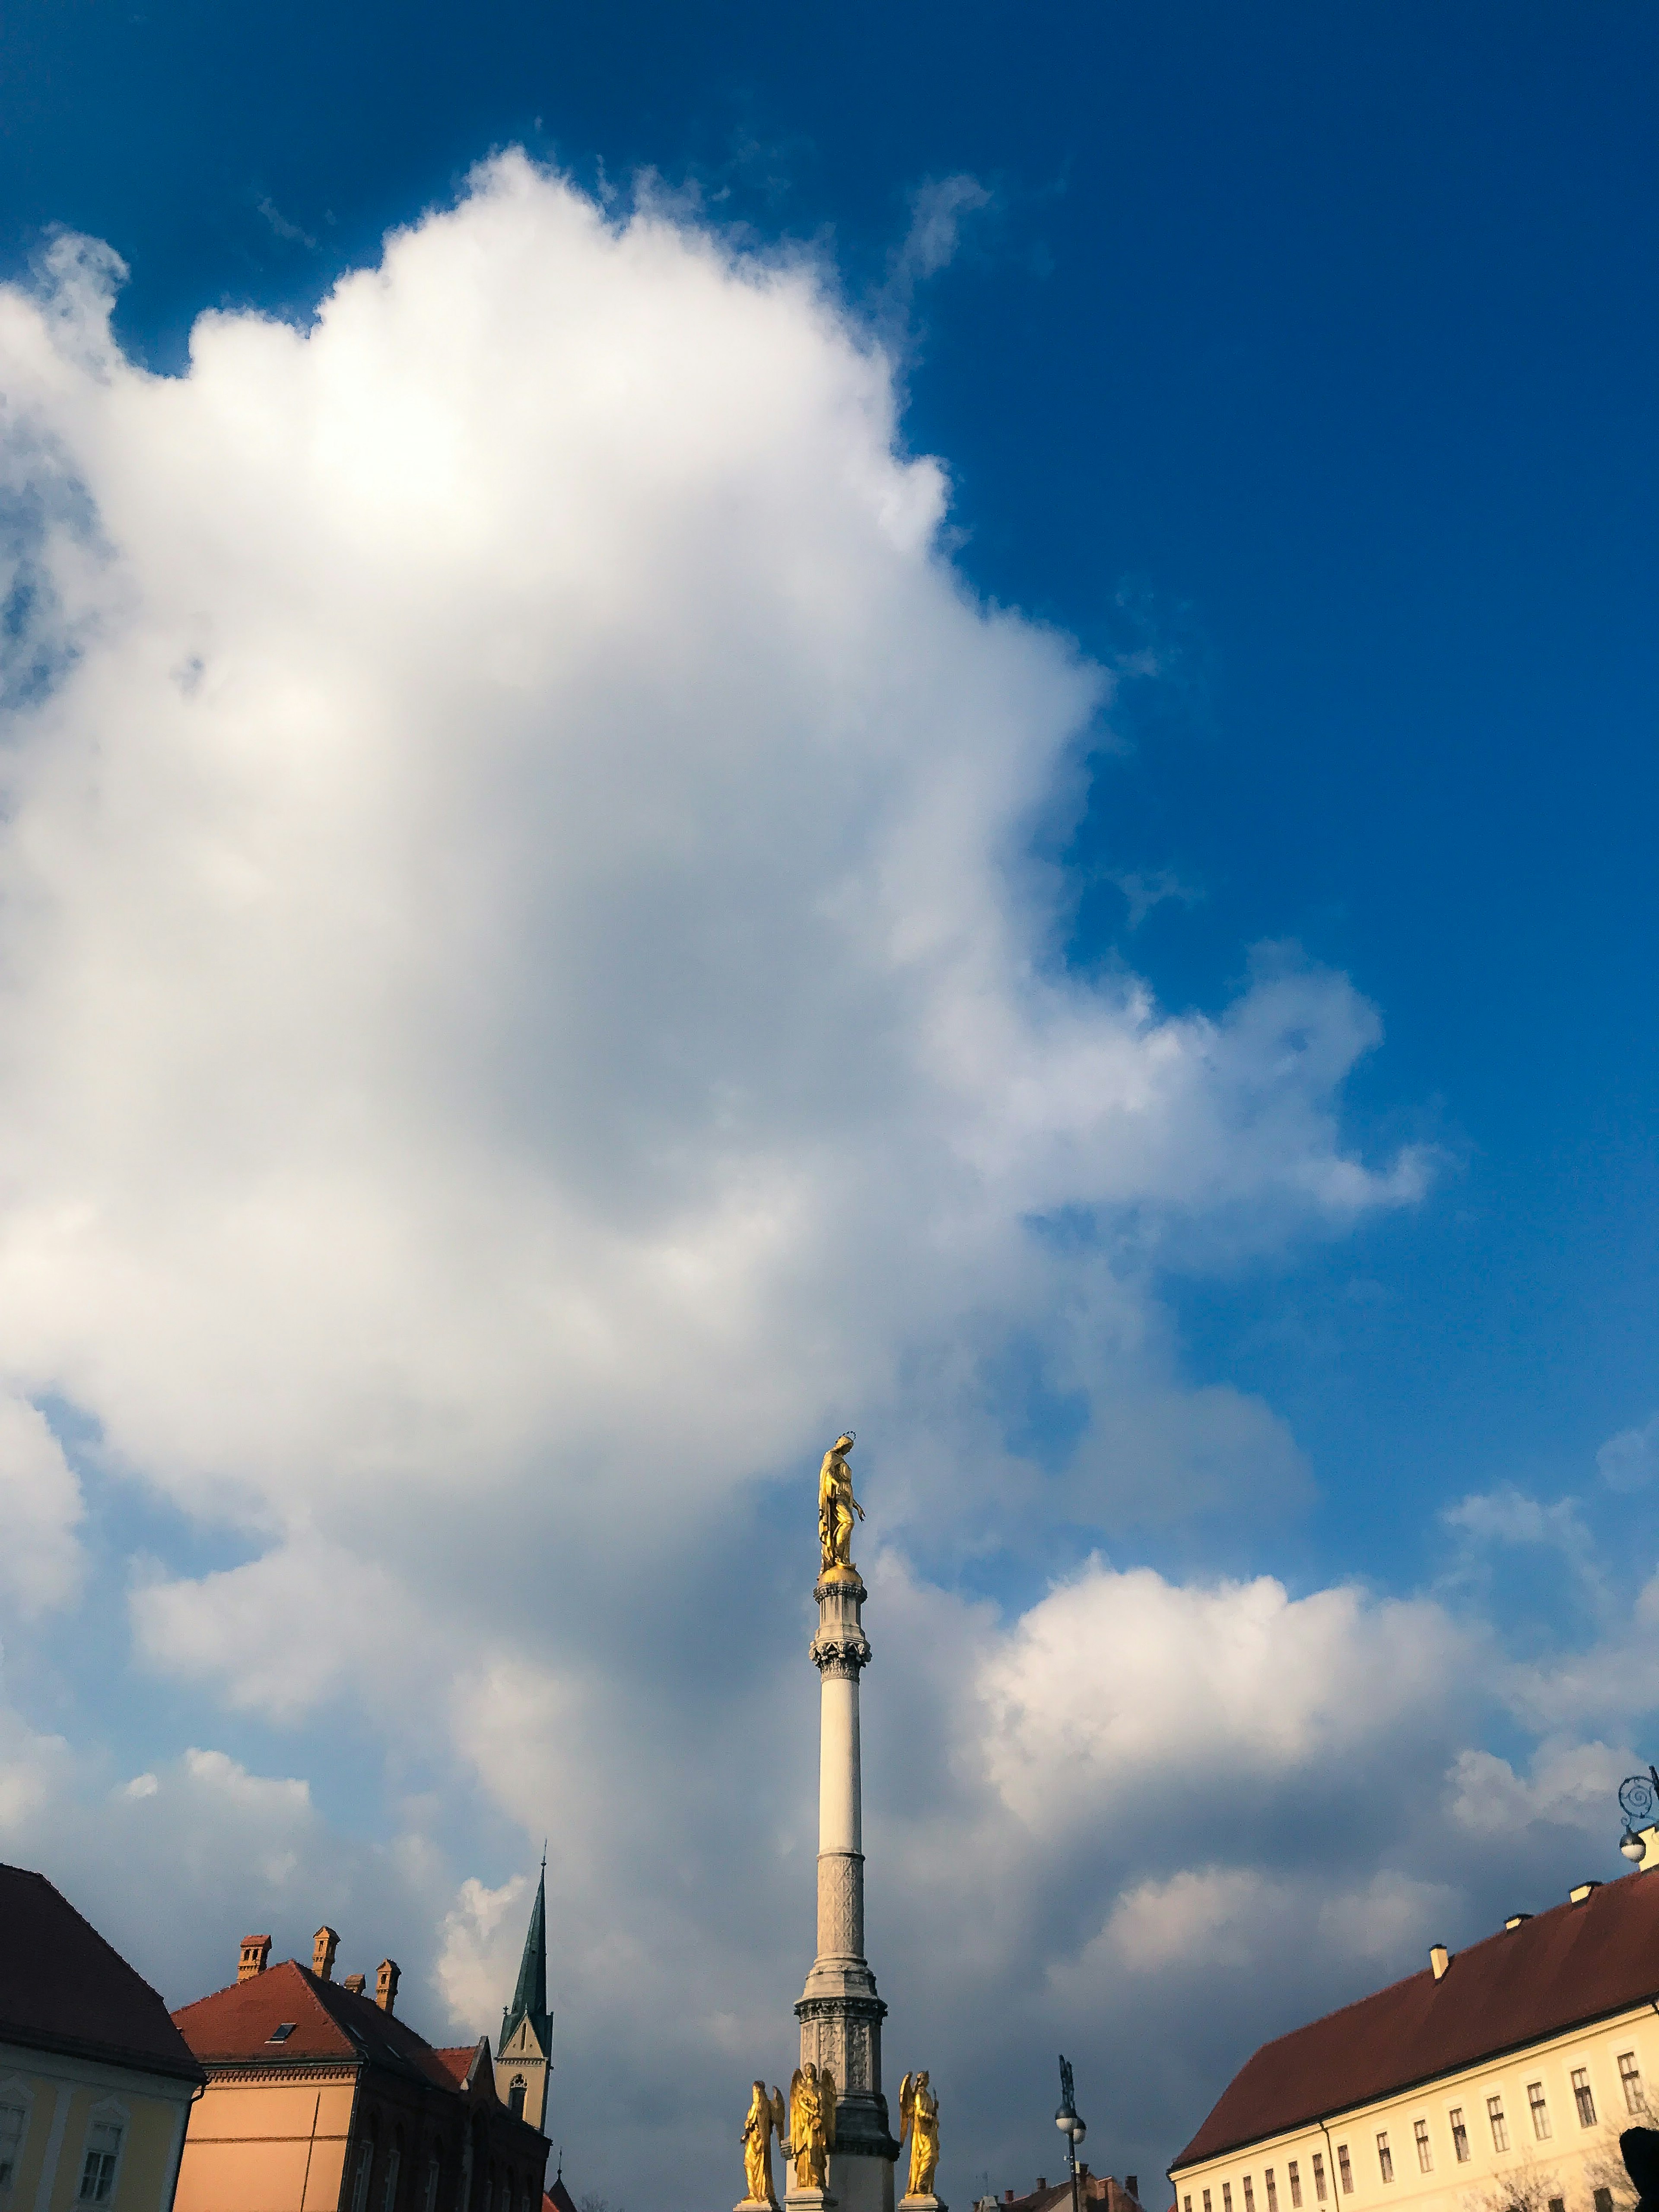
(840, 2013)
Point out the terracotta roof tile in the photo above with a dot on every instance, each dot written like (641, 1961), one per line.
(1573, 1963)
(63, 1988)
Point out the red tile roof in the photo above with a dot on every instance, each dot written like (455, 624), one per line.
(234, 2026)
(1574, 1964)
(63, 1988)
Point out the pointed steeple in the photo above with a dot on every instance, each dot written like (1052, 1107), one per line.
(530, 1997)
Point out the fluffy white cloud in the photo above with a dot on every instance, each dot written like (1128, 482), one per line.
(1630, 1460)
(40, 1512)
(526, 999)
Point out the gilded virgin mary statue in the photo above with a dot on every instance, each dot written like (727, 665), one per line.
(837, 1507)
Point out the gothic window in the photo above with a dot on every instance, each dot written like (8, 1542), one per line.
(516, 2097)
(360, 2180)
(389, 2193)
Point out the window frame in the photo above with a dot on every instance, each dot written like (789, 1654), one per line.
(1270, 2183)
(1249, 2193)
(1384, 2155)
(1425, 2145)
(1626, 2059)
(1538, 2105)
(108, 2112)
(1583, 2096)
(1497, 2122)
(17, 2095)
(1345, 2169)
(1293, 2173)
(1320, 2194)
(1459, 2134)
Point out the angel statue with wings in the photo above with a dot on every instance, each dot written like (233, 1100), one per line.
(766, 2117)
(919, 2120)
(811, 2124)
(836, 1504)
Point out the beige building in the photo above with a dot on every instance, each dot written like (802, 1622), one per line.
(96, 2081)
(1496, 2080)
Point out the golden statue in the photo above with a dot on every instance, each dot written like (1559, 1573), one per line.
(919, 2120)
(811, 2124)
(836, 1506)
(766, 2117)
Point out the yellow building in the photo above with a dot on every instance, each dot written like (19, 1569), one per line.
(95, 2080)
(1498, 2079)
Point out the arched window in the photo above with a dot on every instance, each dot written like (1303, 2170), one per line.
(516, 2097)
(389, 2192)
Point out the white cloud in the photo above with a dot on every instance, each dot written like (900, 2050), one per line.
(1630, 1460)
(525, 1000)
(41, 1510)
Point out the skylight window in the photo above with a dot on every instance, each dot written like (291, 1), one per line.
(281, 2032)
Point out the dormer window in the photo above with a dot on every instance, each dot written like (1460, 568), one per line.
(281, 2032)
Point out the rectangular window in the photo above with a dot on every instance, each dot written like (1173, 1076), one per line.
(1249, 2194)
(1186, 2204)
(1207, 2201)
(1273, 2190)
(1630, 2078)
(1319, 2175)
(1581, 2097)
(1384, 2155)
(1540, 2111)
(1226, 2197)
(1424, 2156)
(98, 2173)
(1459, 2134)
(1295, 2173)
(14, 2121)
(1345, 2169)
(1500, 2129)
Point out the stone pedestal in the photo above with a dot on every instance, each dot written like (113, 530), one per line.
(928, 2204)
(808, 2200)
(839, 2012)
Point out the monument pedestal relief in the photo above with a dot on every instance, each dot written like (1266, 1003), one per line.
(834, 2130)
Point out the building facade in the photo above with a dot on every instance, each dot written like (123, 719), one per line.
(319, 2098)
(1498, 2079)
(95, 2080)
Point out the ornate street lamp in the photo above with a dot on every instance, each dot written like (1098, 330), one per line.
(1073, 2130)
(1639, 1801)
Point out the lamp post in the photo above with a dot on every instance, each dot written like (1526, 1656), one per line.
(1066, 2120)
(1639, 1801)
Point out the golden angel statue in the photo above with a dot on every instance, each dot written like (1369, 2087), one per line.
(836, 1504)
(811, 2124)
(919, 2120)
(766, 2117)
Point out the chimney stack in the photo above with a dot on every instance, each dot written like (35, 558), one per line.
(354, 1983)
(385, 1984)
(1439, 1959)
(256, 1949)
(326, 1944)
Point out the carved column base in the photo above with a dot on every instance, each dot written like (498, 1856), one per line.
(809, 2200)
(928, 2204)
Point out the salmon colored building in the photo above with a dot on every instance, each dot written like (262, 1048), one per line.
(319, 2098)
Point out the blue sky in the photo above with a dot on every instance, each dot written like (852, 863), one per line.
(1290, 369)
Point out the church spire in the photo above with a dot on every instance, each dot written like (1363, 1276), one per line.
(530, 1997)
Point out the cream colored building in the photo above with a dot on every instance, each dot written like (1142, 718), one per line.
(1495, 2081)
(96, 2081)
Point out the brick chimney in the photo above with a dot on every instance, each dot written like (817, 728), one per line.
(354, 1983)
(256, 1949)
(385, 1984)
(325, 1945)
